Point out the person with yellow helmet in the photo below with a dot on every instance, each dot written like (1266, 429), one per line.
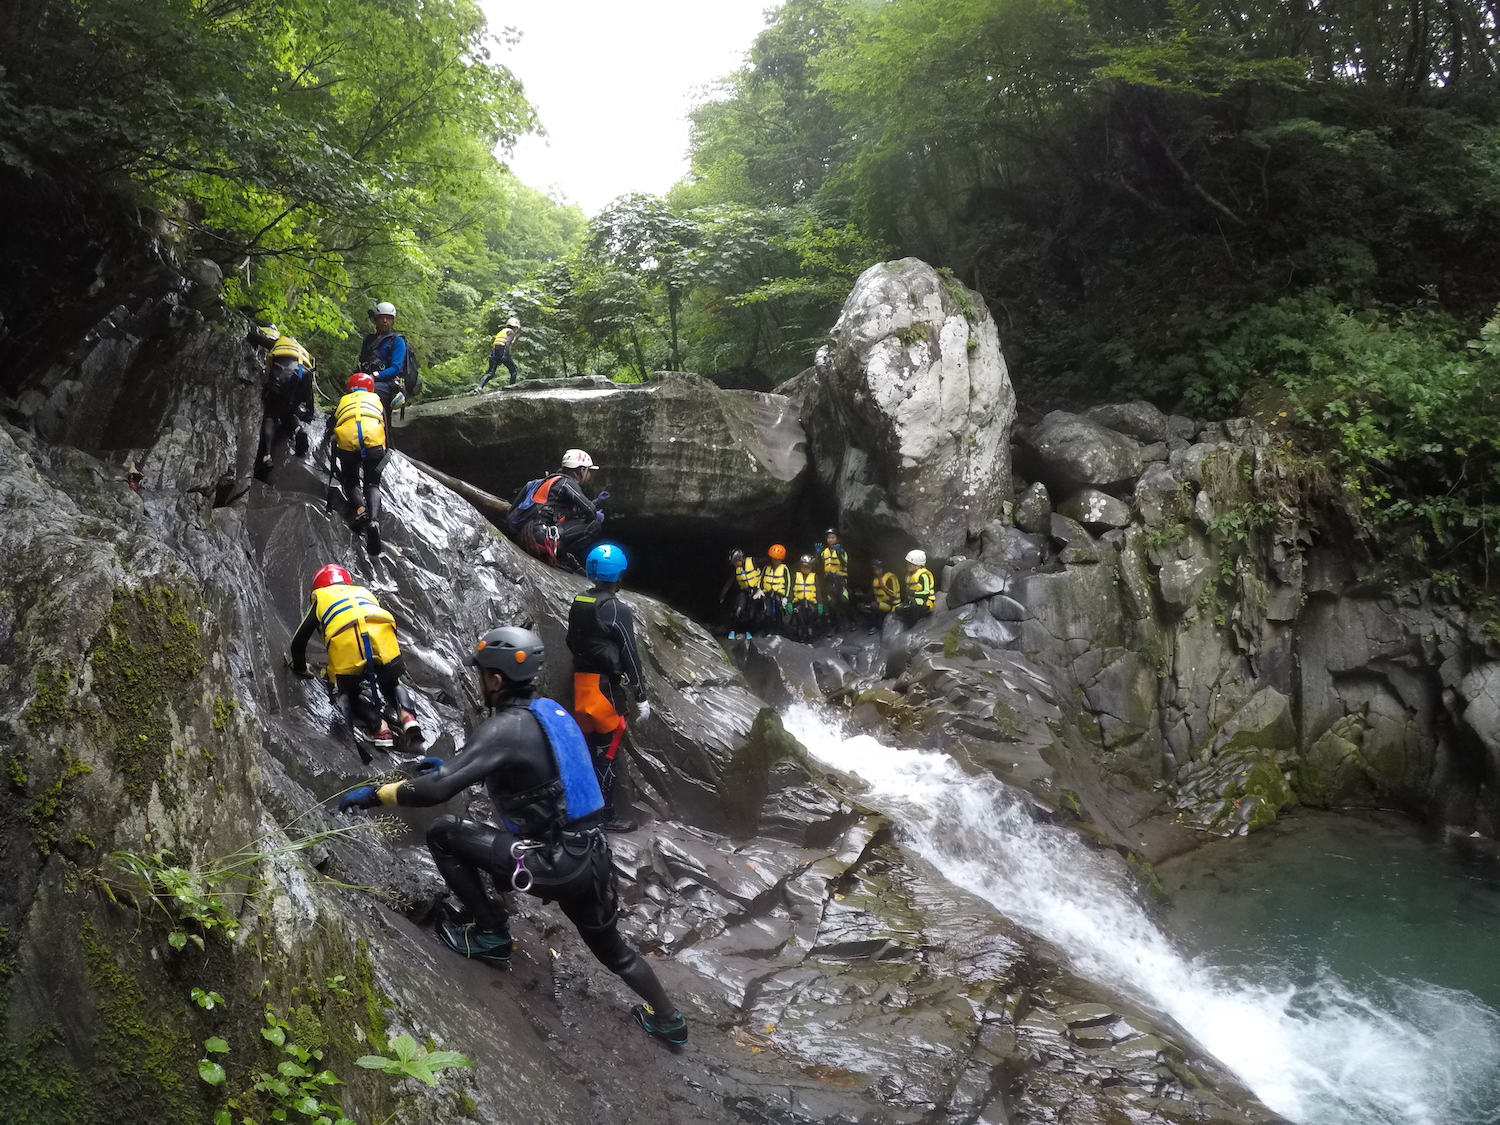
(776, 584)
(886, 588)
(364, 659)
(500, 353)
(834, 562)
(286, 396)
(920, 589)
(745, 581)
(804, 600)
(358, 426)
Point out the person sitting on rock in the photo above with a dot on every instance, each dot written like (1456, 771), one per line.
(500, 353)
(531, 758)
(744, 613)
(886, 590)
(554, 519)
(286, 396)
(804, 602)
(601, 637)
(382, 355)
(359, 455)
(835, 565)
(776, 584)
(364, 659)
(921, 590)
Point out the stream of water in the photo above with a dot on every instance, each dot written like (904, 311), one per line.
(1318, 1047)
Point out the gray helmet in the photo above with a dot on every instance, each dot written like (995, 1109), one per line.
(514, 653)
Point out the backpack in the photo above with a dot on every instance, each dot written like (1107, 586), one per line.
(410, 374)
(283, 374)
(521, 508)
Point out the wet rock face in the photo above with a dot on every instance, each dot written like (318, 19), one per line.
(1068, 453)
(676, 449)
(909, 411)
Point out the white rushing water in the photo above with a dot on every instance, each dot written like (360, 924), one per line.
(1324, 1055)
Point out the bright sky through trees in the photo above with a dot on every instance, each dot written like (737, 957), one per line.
(613, 80)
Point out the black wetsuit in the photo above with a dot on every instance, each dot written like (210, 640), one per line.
(286, 397)
(574, 514)
(601, 637)
(510, 756)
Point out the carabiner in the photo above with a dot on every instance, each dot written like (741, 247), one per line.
(521, 879)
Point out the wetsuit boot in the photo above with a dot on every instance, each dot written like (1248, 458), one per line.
(372, 537)
(468, 940)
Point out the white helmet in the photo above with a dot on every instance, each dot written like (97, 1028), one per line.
(917, 558)
(578, 459)
(385, 308)
(512, 323)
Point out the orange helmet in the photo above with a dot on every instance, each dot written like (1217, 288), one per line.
(332, 575)
(359, 381)
(777, 552)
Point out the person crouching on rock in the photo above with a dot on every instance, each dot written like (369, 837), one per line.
(286, 397)
(744, 612)
(364, 658)
(554, 519)
(804, 605)
(359, 434)
(921, 590)
(776, 582)
(885, 590)
(601, 637)
(531, 758)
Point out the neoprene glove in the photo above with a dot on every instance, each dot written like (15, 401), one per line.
(427, 765)
(603, 496)
(360, 797)
(298, 670)
(598, 517)
(642, 711)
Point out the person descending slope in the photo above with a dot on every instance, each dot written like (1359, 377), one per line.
(364, 659)
(286, 397)
(744, 612)
(500, 353)
(553, 517)
(776, 582)
(804, 608)
(359, 455)
(835, 566)
(601, 637)
(531, 758)
(921, 590)
(886, 589)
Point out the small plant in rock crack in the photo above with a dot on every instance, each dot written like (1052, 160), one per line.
(413, 1061)
(296, 1087)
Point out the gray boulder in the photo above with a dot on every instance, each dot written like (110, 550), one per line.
(1034, 510)
(1095, 509)
(1160, 498)
(909, 409)
(974, 581)
(1069, 453)
(1069, 532)
(1182, 581)
(1481, 690)
(1002, 543)
(1140, 420)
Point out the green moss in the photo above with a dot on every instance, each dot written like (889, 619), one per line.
(49, 705)
(375, 1001)
(144, 1057)
(959, 294)
(144, 657)
(464, 1106)
(952, 639)
(49, 806)
(37, 1087)
(1006, 719)
(15, 770)
(1070, 801)
(912, 334)
(224, 710)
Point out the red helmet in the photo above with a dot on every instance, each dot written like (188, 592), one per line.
(359, 381)
(332, 574)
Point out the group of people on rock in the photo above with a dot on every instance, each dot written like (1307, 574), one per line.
(770, 597)
(549, 771)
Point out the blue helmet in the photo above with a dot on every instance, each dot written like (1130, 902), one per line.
(606, 563)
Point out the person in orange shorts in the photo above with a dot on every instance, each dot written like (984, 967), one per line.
(601, 637)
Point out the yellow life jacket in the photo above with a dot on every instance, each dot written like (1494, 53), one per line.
(805, 587)
(776, 579)
(356, 628)
(833, 559)
(287, 348)
(921, 590)
(503, 337)
(359, 421)
(887, 588)
(747, 574)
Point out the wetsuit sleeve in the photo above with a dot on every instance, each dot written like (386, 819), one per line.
(300, 638)
(484, 754)
(618, 622)
(573, 498)
(397, 359)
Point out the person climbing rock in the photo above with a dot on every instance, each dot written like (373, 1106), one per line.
(835, 566)
(804, 603)
(383, 356)
(533, 762)
(359, 455)
(885, 589)
(776, 583)
(744, 612)
(286, 397)
(920, 589)
(601, 637)
(553, 517)
(364, 660)
(500, 353)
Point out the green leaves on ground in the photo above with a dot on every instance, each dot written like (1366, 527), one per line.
(411, 1060)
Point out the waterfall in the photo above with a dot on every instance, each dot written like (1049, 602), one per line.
(1320, 1054)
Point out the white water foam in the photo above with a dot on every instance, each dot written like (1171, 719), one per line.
(1320, 1055)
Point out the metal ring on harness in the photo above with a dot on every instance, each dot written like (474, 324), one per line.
(522, 879)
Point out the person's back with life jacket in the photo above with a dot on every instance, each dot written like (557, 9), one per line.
(356, 628)
(359, 421)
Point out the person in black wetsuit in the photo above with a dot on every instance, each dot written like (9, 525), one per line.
(601, 637)
(560, 521)
(286, 397)
(531, 758)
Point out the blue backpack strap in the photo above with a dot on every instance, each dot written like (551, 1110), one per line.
(581, 793)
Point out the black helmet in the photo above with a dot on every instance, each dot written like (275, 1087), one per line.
(877, 564)
(805, 560)
(514, 653)
(736, 556)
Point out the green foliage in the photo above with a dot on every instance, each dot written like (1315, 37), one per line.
(49, 806)
(298, 1086)
(411, 1060)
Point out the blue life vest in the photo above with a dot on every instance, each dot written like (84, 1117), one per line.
(581, 794)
